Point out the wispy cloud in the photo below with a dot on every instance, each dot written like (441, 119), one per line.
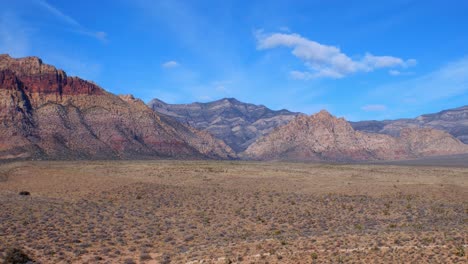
(374, 108)
(76, 26)
(400, 73)
(447, 82)
(324, 60)
(394, 72)
(170, 64)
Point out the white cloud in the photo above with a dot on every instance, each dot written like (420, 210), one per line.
(371, 62)
(299, 75)
(99, 35)
(374, 108)
(170, 64)
(394, 72)
(326, 61)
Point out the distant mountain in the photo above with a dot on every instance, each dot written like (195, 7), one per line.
(454, 121)
(324, 137)
(238, 124)
(46, 114)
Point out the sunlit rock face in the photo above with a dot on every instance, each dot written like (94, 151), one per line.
(325, 137)
(46, 114)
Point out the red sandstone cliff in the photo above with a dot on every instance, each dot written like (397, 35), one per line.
(46, 114)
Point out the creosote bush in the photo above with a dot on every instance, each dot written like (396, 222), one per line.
(16, 256)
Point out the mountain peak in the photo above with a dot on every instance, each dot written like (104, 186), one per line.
(323, 114)
(26, 65)
(69, 117)
(46, 79)
(237, 123)
(232, 101)
(157, 103)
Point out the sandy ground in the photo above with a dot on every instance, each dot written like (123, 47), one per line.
(233, 212)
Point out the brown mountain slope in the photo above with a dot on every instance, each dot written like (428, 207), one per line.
(46, 114)
(454, 121)
(325, 137)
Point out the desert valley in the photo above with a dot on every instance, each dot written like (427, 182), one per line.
(222, 132)
(221, 182)
(233, 212)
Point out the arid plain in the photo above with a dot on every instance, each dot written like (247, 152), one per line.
(233, 212)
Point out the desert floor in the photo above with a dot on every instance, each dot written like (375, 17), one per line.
(233, 212)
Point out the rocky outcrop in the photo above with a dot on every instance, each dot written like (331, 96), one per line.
(45, 79)
(236, 123)
(46, 114)
(453, 121)
(324, 137)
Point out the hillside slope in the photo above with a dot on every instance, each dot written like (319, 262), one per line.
(325, 137)
(454, 121)
(236, 123)
(46, 114)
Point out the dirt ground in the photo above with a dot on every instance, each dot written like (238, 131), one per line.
(233, 212)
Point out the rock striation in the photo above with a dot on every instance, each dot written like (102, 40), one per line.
(324, 137)
(46, 114)
(236, 123)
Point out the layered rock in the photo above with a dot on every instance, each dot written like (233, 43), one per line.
(236, 123)
(325, 137)
(46, 114)
(453, 121)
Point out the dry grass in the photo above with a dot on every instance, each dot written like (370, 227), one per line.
(233, 212)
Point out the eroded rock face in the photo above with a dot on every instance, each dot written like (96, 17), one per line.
(236, 123)
(41, 78)
(46, 114)
(453, 121)
(325, 137)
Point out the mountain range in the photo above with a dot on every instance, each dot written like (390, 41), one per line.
(256, 132)
(454, 121)
(325, 137)
(46, 114)
(236, 123)
(245, 126)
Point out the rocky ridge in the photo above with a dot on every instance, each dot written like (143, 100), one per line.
(46, 114)
(324, 137)
(236, 123)
(453, 121)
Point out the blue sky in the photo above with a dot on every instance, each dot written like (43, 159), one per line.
(365, 60)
